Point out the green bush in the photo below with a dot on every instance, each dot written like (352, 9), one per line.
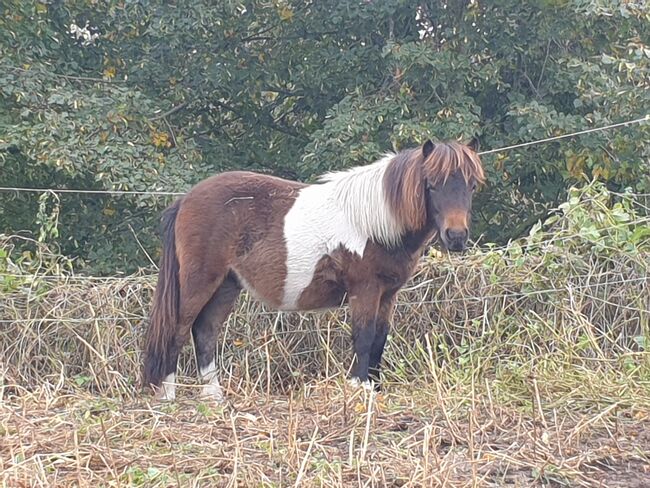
(149, 96)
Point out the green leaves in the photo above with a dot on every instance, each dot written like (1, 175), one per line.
(593, 219)
(165, 96)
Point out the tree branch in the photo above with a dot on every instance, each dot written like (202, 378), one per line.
(74, 78)
(169, 112)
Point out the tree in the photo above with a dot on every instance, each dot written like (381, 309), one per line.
(158, 95)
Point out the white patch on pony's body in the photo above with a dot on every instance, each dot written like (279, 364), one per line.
(167, 390)
(347, 209)
(212, 388)
(314, 226)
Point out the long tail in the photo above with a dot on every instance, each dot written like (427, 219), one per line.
(163, 320)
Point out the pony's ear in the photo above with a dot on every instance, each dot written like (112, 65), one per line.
(427, 148)
(474, 144)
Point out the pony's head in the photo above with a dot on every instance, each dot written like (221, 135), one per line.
(452, 172)
(433, 186)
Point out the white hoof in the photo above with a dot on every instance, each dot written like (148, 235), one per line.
(167, 391)
(213, 392)
(212, 389)
(356, 383)
(165, 397)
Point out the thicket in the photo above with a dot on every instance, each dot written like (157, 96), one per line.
(575, 291)
(154, 95)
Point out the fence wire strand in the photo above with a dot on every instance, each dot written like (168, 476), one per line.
(400, 305)
(525, 246)
(640, 120)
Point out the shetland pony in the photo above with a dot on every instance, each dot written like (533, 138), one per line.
(353, 237)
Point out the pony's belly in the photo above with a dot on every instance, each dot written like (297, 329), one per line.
(268, 296)
(325, 289)
(319, 296)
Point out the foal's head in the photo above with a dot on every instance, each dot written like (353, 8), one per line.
(451, 172)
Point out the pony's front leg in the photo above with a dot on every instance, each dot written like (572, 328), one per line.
(382, 327)
(364, 308)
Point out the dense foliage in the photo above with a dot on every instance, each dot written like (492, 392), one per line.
(146, 95)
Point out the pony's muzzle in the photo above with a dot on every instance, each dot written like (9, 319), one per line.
(455, 239)
(454, 230)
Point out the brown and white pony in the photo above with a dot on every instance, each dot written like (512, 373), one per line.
(354, 237)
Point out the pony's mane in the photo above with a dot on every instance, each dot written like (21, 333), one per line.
(359, 192)
(450, 157)
(385, 199)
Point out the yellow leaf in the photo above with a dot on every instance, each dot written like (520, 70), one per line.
(160, 139)
(110, 72)
(499, 164)
(109, 211)
(286, 13)
(435, 253)
(601, 172)
(360, 407)
(575, 165)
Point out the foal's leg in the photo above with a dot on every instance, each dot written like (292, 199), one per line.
(381, 332)
(204, 332)
(364, 307)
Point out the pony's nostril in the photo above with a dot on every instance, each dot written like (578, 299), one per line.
(456, 235)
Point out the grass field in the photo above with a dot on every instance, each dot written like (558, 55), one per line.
(520, 366)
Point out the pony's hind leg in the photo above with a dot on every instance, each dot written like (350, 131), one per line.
(196, 290)
(205, 330)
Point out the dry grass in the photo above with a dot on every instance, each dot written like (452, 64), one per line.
(527, 366)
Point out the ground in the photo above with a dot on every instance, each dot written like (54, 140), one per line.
(325, 433)
(503, 368)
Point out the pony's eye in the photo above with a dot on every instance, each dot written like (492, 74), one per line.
(474, 187)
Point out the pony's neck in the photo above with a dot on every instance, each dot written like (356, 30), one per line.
(415, 242)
